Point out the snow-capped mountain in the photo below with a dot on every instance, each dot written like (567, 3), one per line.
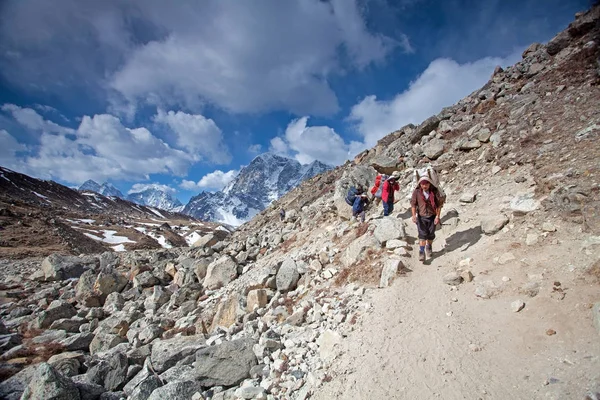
(106, 189)
(155, 197)
(266, 178)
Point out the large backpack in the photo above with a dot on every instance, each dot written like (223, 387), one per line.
(378, 187)
(351, 195)
(428, 171)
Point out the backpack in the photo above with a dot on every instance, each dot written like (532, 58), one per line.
(378, 187)
(351, 195)
(433, 176)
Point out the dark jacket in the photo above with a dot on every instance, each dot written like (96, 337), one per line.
(359, 204)
(425, 208)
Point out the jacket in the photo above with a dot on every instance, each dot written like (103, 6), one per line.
(387, 194)
(359, 205)
(424, 207)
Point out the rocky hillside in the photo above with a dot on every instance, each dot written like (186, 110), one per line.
(320, 306)
(38, 218)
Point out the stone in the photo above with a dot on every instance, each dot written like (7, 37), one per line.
(505, 258)
(59, 268)
(327, 343)
(467, 197)
(105, 341)
(80, 341)
(493, 225)
(89, 391)
(47, 384)
(531, 289)
(144, 389)
(227, 313)
(453, 279)
(467, 275)
(257, 298)
(200, 268)
(207, 240)
(110, 372)
(389, 229)
(287, 276)
(109, 281)
(548, 227)
(145, 279)
(114, 302)
(226, 364)
(531, 239)
(484, 135)
(58, 309)
(557, 43)
(524, 204)
(470, 144)
(166, 353)
(357, 250)
(157, 299)
(434, 148)
(389, 272)
(220, 272)
(68, 325)
(517, 305)
(250, 392)
(395, 243)
(67, 363)
(486, 289)
(84, 290)
(176, 391)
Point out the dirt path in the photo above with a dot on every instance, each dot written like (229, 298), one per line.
(423, 340)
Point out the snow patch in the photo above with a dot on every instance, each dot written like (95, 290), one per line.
(39, 195)
(156, 212)
(192, 238)
(119, 247)
(109, 237)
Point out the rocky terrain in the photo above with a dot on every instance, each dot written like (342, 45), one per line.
(322, 306)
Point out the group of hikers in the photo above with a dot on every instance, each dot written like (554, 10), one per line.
(426, 204)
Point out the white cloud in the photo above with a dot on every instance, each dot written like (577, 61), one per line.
(311, 143)
(140, 187)
(279, 146)
(240, 56)
(9, 150)
(442, 84)
(101, 148)
(196, 134)
(215, 180)
(255, 149)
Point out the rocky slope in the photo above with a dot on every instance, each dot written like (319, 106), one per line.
(323, 307)
(266, 178)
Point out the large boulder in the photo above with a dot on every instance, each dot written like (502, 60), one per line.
(425, 128)
(228, 312)
(357, 250)
(385, 165)
(389, 229)
(359, 175)
(13, 387)
(434, 148)
(226, 364)
(167, 353)
(48, 384)
(207, 240)
(58, 309)
(92, 289)
(57, 267)
(287, 276)
(110, 372)
(220, 272)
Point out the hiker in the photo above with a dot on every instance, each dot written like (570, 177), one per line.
(360, 206)
(387, 194)
(281, 214)
(377, 188)
(426, 204)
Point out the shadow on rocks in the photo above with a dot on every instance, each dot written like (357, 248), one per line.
(460, 239)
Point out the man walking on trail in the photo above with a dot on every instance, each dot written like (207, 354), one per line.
(387, 194)
(426, 204)
(281, 214)
(359, 207)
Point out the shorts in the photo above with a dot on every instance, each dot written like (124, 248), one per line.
(426, 227)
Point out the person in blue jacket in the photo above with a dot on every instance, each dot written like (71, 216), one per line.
(360, 206)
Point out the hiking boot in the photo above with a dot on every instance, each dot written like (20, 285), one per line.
(428, 251)
(421, 256)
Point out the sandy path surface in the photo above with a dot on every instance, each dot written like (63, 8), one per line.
(424, 340)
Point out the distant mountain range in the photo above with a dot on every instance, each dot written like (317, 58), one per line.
(268, 177)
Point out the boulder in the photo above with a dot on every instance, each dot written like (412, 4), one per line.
(389, 229)
(166, 353)
(144, 389)
(105, 341)
(453, 279)
(390, 269)
(226, 364)
(57, 267)
(80, 341)
(470, 144)
(287, 276)
(145, 279)
(84, 290)
(207, 240)
(200, 268)
(111, 372)
(58, 309)
(220, 272)
(426, 126)
(176, 391)
(13, 387)
(157, 299)
(523, 204)
(467, 197)
(67, 363)
(228, 312)
(434, 148)
(357, 250)
(492, 225)
(257, 298)
(47, 384)
(558, 42)
(114, 302)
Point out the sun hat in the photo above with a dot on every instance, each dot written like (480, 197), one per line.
(395, 175)
(424, 179)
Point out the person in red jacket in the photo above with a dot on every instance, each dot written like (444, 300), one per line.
(378, 188)
(387, 194)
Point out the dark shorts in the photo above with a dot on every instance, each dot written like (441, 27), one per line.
(426, 227)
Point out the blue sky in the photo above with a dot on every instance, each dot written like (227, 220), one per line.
(182, 94)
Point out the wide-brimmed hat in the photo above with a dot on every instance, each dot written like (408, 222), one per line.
(424, 179)
(395, 175)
